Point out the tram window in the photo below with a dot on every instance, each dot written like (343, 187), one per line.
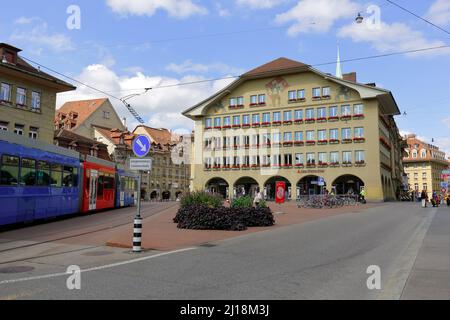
(123, 184)
(75, 177)
(9, 171)
(109, 182)
(56, 175)
(67, 180)
(43, 174)
(28, 172)
(100, 187)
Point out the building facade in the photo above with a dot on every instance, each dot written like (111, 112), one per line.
(27, 96)
(119, 143)
(72, 141)
(286, 121)
(82, 116)
(170, 175)
(424, 164)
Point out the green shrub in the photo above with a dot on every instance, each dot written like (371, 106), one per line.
(201, 198)
(242, 202)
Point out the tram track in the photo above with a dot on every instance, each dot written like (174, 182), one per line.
(30, 245)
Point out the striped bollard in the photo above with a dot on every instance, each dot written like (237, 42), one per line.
(137, 235)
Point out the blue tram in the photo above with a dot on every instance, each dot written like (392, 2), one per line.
(40, 181)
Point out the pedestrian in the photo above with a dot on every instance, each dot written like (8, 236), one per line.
(448, 200)
(362, 195)
(258, 198)
(424, 198)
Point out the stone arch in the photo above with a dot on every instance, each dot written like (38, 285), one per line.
(311, 185)
(269, 187)
(218, 185)
(347, 183)
(245, 186)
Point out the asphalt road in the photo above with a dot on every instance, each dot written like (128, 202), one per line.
(323, 259)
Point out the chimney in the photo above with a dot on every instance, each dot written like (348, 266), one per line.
(349, 76)
(125, 123)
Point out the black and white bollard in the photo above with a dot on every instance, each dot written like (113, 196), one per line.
(137, 235)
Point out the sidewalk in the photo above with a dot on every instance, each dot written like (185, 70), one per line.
(161, 233)
(430, 276)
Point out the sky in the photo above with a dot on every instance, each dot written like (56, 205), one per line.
(124, 46)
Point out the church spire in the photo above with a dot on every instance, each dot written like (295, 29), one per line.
(338, 64)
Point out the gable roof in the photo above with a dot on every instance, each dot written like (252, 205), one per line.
(113, 135)
(276, 65)
(282, 66)
(84, 108)
(70, 135)
(159, 136)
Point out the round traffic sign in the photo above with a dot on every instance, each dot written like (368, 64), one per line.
(141, 146)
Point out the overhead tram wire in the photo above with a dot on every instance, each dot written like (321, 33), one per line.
(419, 17)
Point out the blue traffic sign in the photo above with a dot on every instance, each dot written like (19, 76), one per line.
(141, 146)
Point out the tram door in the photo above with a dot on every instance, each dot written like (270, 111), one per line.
(93, 190)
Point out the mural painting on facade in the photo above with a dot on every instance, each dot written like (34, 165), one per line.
(275, 88)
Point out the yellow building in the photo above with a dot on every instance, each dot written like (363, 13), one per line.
(27, 96)
(286, 121)
(424, 165)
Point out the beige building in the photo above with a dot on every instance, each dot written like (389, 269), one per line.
(170, 175)
(286, 121)
(424, 164)
(27, 96)
(81, 117)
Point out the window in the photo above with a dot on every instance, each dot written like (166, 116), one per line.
(334, 134)
(9, 171)
(322, 135)
(310, 158)
(217, 162)
(21, 96)
(334, 157)
(298, 114)
(33, 134)
(345, 110)
(43, 174)
(346, 133)
(233, 102)
(255, 139)
(266, 117)
(359, 156)
(287, 115)
(70, 177)
(35, 100)
(321, 113)
(246, 140)
(310, 135)
(4, 126)
(236, 120)
(326, 91)
(56, 175)
(298, 158)
(276, 116)
(217, 122)
(253, 100)
(255, 118)
(316, 92)
(292, 95)
(424, 175)
(262, 99)
(414, 154)
(236, 161)
(287, 136)
(299, 136)
(301, 94)
(5, 92)
(246, 119)
(236, 141)
(240, 101)
(226, 142)
(288, 159)
(347, 156)
(255, 160)
(208, 122)
(266, 160)
(425, 187)
(423, 154)
(18, 129)
(358, 109)
(106, 115)
(266, 138)
(309, 114)
(226, 121)
(276, 159)
(277, 137)
(246, 160)
(359, 132)
(322, 157)
(333, 111)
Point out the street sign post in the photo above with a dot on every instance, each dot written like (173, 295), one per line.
(141, 148)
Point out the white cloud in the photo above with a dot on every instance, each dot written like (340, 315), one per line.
(161, 107)
(392, 37)
(439, 12)
(259, 4)
(39, 36)
(175, 8)
(223, 12)
(317, 15)
(189, 67)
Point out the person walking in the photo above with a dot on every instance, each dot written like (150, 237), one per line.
(362, 195)
(424, 198)
(258, 198)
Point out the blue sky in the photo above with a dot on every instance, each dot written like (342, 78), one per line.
(125, 45)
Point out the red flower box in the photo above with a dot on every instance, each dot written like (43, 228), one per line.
(347, 140)
(236, 126)
(334, 141)
(208, 128)
(346, 117)
(288, 143)
(301, 99)
(256, 125)
(326, 96)
(262, 104)
(253, 104)
(287, 122)
(334, 118)
(246, 125)
(323, 141)
(299, 143)
(323, 119)
(359, 139)
(310, 120)
(218, 128)
(292, 100)
(310, 142)
(358, 116)
(266, 123)
(276, 123)
(334, 164)
(323, 164)
(299, 165)
(299, 121)
(226, 127)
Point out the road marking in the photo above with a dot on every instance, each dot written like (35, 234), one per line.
(113, 265)
(393, 289)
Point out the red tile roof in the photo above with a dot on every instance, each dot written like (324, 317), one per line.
(84, 108)
(159, 136)
(276, 65)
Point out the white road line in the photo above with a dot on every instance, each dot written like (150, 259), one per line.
(113, 265)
